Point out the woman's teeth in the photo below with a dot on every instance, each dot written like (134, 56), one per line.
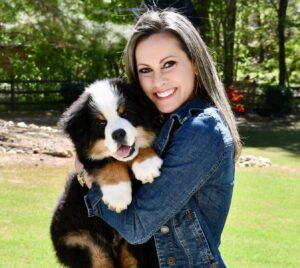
(166, 93)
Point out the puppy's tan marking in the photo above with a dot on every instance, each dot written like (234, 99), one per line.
(112, 173)
(144, 137)
(121, 109)
(144, 153)
(98, 150)
(101, 117)
(126, 258)
(83, 239)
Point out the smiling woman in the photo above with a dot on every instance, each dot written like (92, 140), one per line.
(184, 210)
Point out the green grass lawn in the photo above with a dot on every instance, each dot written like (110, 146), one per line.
(264, 222)
(28, 196)
(262, 229)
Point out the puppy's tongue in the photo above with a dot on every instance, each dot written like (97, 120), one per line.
(123, 151)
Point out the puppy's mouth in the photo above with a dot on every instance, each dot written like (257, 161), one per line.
(125, 151)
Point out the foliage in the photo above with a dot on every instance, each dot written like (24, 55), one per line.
(61, 40)
(84, 40)
(256, 46)
(278, 101)
(256, 41)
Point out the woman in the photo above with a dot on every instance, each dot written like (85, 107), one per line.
(185, 209)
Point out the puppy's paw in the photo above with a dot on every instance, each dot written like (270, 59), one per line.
(148, 169)
(117, 196)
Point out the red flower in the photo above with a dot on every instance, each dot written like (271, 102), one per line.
(240, 108)
(235, 97)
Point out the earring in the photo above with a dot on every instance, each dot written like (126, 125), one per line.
(197, 85)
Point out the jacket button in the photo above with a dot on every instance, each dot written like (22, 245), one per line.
(164, 229)
(171, 261)
(215, 265)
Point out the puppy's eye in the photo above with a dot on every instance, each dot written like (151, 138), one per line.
(102, 123)
(124, 114)
(101, 120)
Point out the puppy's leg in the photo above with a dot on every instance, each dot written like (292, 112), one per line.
(81, 250)
(115, 184)
(126, 258)
(146, 166)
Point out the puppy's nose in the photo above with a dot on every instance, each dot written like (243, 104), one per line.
(119, 134)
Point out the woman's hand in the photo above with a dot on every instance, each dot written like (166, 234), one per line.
(87, 179)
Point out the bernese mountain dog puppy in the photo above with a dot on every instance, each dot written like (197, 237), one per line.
(112, 126)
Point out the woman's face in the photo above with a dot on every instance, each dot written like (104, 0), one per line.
(166, 74)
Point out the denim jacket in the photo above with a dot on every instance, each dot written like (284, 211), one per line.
(185, 208)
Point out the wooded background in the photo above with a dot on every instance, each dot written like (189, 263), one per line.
(255, 44)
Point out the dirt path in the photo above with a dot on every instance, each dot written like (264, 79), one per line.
(32, 141)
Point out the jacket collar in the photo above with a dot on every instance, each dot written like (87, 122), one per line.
(185, 111)
(189, 108)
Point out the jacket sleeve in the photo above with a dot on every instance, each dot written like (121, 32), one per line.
(193, 154)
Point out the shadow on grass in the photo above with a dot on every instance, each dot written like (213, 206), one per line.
(266, 135)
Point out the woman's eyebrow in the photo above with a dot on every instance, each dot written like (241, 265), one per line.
(170, 56)
(163, 59)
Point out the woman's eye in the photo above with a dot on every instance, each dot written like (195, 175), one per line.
(169, 64)
(144, 70)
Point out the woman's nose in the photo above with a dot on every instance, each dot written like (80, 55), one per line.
(158, 81)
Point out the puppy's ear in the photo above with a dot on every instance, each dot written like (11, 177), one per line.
(142, 100)
(73, 120)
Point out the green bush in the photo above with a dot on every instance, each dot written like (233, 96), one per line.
(278, 101)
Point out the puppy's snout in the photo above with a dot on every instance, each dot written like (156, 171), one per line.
(119, 135)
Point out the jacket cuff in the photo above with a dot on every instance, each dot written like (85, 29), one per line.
(92, 199)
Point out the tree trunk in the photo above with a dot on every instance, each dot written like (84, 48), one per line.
(202, 8)
(261, 36)
(281, 27)
(229, 33)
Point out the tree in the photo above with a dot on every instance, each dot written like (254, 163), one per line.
(229, 34)
(59, 40)
(219, 33)
(85, 39)
(281, 16)
(202, 7)
(281, 36)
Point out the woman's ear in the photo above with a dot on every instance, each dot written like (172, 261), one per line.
(195, 68)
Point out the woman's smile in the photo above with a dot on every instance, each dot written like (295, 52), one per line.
(165, 93)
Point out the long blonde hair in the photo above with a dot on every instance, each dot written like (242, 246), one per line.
(209, 83)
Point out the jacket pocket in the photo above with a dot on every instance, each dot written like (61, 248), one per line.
(193, 239)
